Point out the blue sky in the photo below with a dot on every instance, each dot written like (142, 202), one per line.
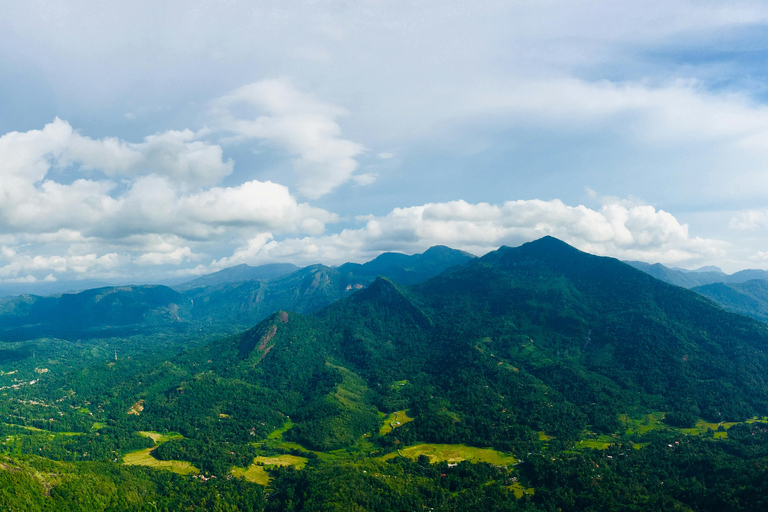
(167, 139)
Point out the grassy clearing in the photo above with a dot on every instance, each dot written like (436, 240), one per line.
(643, 424)
(282, 460)
(278, 434)
(326, 457)
(544, 437)
(97, 425)
(144, 458)
(655, 421)
(394, 420)
(258, 471)
(702, 427)
(519, 490)
(253, 473)
(159, 438)
(601, 443)
(455, 453)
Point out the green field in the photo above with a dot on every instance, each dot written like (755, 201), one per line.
(278, 434)
(601, 443)
(455, 453)
(394, 420)
(281, 460)
(644, 423)
(257, 472)
(253, 473)
(520, 490)
(145, 458)
(702, 427)
(159, 438)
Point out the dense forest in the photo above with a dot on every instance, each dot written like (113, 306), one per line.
(533, 378)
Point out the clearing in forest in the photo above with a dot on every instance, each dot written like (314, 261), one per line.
(144, 457)
(257, 472)
(453, 453)
(394, 420)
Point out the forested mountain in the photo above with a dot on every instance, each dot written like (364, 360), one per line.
(227, 301)
(406, 269)
(609, 386)
(749, 298)
(239, 273)
(700, 277)
(529, 339)
(679, 277)
(98, 312)
(744, 292)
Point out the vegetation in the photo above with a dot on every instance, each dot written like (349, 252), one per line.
(534, 378)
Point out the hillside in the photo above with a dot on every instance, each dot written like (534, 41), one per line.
(408, 269)
(239, 273)
(749, 298)
(224, 302)
(587, 339)
(535, 365)
(700, 277)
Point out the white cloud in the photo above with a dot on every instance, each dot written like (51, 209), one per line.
(175, 257)
(277, 112)
(30, 156)
(163, 210)
(633, 231)
(750, 220)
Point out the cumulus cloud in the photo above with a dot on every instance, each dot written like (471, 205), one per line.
(626, 230)
(277, 112)
(30, 156)
(147, 204)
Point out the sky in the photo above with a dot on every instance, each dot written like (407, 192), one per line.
(142, 141)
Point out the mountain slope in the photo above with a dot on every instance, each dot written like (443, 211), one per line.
(700, 277)
(749, 298)
(679, 277)
(408, 269)
(239, 273)
(96, 312)
(536, 338)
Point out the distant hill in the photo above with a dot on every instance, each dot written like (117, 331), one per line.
(748, 298)
(681, 277)
(108, 311)
(406, 269)
(224, 302)
(239, 273)
(242, 304)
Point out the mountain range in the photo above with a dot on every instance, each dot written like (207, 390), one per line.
(590, 384)
(230, 300)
